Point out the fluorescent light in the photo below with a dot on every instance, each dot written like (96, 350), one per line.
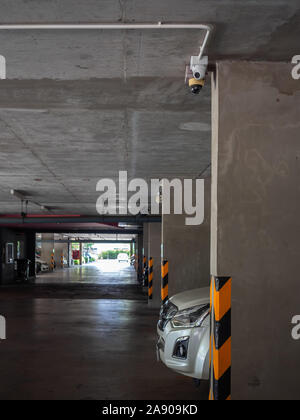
(18, 195)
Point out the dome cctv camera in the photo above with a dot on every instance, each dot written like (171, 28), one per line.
(196, 85)
(199, 67)
(196, 73)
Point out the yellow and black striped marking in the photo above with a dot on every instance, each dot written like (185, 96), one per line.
(165, 281)
(220, 339)
(52, 261)
(150, 279)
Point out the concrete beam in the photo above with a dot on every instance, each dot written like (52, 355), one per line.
(87, 241)
(140, 219)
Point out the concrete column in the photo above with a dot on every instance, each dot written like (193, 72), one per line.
(154, 251)
(145, 241)
(140, 256)
(131, 248)
(30, 251)
(187, 248)
(81, 253)
(47, 247)
(69, 254)
(60, 248)
(256, 223)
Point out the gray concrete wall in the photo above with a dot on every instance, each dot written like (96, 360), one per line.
(187, 248)
(154, 251)
(256, 223)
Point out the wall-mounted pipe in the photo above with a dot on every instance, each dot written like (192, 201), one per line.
(112, 26)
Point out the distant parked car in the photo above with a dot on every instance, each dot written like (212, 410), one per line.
(184, 333)
(41, 266)
(123, 257)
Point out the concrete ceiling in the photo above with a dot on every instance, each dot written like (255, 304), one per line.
(81, 105)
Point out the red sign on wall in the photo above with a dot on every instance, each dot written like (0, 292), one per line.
(76, 255)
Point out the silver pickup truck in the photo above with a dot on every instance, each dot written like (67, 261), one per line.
(184, 333)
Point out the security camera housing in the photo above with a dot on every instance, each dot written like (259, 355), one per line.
(199, 67)
(196, 85)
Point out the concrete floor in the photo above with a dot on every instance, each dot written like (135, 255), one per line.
(90, 349)
(102, 272)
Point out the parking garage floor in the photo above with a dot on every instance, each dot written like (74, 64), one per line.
(101, 272)
(75, 346)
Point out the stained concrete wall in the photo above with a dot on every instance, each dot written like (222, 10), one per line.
(256, 223)
(154, 251)
(187, 248)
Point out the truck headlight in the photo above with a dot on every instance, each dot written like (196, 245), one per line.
(190, 318)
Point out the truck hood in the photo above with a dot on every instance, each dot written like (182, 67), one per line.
(191, 298)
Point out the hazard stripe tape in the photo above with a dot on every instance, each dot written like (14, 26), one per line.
(220, 339)
(165, 281)
(150, 279)
(52, 261)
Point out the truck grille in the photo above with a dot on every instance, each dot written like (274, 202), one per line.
(167, 312)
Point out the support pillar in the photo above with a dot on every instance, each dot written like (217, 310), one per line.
(69, 254)
(47, 247)
(187, 248)
(256, 223)
(145, 252)
(154, 251)
(81, 251)
(140, 257)
(61, 249)
(30, 251)
(131, 249)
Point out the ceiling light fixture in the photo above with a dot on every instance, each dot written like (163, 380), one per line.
(21, 196)
(18, 195)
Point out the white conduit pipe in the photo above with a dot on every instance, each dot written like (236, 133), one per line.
(111, 26)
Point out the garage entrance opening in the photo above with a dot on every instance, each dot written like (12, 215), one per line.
(89, 265)
(62, 259)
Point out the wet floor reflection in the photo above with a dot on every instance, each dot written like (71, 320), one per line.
(101, 272)
(85, 350)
